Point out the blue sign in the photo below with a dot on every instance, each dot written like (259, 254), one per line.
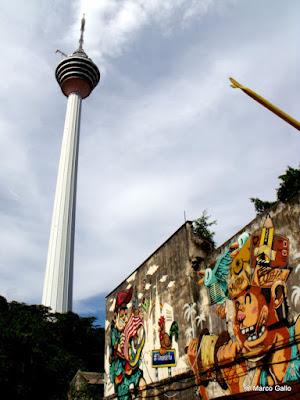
(165, 360)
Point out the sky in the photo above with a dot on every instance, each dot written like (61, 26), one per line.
(162, 135)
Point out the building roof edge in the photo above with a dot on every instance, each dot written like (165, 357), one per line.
(169, 238)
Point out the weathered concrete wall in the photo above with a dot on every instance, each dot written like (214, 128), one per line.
(230, 344)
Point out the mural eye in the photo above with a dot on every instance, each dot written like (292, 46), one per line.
(121, 313)
(125, 312)
(208, 276)
(248, 298)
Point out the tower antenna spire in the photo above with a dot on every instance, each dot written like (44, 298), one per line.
(81, 34)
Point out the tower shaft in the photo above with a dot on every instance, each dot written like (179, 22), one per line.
(59, 270)
(77, 76)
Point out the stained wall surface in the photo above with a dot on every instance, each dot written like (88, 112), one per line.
(213, 322)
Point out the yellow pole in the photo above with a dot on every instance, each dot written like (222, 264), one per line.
(266, 104)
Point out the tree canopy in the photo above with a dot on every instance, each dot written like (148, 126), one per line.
(40, 352)
(287, 189)
(290, 184)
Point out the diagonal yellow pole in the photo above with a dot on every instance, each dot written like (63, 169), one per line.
(266, 104)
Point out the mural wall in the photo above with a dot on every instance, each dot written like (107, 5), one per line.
(126, 345)
(248, 288)
(225, 319)
(145, 327)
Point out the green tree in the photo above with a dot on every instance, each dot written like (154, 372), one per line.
(201, 227)
(288, 188)
(290, 184)
(40, 352)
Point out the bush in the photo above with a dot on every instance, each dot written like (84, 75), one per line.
(201, 227)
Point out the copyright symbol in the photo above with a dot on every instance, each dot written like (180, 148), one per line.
(248, 388)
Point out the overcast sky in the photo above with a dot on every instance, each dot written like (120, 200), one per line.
(163, 132)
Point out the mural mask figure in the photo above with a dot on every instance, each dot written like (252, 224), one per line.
(127, 341)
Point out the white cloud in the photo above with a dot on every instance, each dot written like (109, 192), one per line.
(113, 25)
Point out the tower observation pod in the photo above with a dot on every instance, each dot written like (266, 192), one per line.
(77, 76)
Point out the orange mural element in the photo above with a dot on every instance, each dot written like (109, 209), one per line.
(238, 284)
(242, 261)
(265, 276)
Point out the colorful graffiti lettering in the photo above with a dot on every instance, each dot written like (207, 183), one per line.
(168, 359)
(127, 342)
(262, 337)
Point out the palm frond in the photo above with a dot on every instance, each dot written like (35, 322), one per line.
(296, 294)
(200, 318)
(189, 333)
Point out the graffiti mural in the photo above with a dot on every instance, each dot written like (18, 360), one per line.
(262, 349)
(165, 356)
(165, 338)
(216, 280)
(127, 342)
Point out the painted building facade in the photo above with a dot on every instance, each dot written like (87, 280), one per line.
(197, 322)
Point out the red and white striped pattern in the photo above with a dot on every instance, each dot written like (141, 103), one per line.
(130, 330)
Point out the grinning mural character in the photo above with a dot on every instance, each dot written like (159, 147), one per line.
(263, 337)
(263, 340)
(127, 342)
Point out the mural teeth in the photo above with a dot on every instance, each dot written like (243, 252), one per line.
(243, 331)
(251, 328)
(262, 329)
(254, 337)
(249, 338)
(247, 330)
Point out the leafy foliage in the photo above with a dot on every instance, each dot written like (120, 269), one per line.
(290, 184)
(40, 352)
(261, 205)
(201, 227)
(288, 188)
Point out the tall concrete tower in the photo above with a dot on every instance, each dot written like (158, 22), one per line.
(77, 76)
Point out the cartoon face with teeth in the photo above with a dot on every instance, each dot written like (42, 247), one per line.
(256, 310)
(260, 328)
(259, 294)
